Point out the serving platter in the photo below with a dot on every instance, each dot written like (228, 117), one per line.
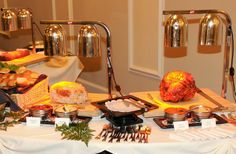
(164, 123)
(143, 106)
(122, 115)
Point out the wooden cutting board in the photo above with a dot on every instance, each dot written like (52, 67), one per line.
(28, 60)
(197, 100)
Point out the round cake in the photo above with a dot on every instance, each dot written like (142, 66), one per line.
(68, 93)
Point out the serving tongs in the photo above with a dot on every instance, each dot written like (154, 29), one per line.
(135, 103)
(219, 107)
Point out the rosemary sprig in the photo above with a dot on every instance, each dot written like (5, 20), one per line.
(8, 119)
(77, 131)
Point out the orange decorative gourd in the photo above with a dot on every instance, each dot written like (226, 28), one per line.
(177, 86)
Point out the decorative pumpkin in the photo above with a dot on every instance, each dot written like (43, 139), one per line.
(177, 86)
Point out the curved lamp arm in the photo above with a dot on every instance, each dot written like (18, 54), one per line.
(228, 35)
(108, 42)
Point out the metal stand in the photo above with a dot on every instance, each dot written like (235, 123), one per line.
(228, 25)
(108, 43)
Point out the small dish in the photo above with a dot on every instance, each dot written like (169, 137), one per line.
(203, 112)
(164, 123)
(66, 111)
(175, 114)
(41, 110)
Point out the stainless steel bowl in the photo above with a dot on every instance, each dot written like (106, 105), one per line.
(41, 110)
(175, 114)
(203, 112)
(65, 112)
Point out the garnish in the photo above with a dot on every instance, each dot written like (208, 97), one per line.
(8, 119)
(76, 131)
(11, 67)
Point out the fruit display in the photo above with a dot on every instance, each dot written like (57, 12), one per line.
(177, 86)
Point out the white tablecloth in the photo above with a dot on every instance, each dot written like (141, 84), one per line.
(69, 72)
(44, 140)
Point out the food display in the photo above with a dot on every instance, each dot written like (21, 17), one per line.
(68, 93)
(177, 86)
(120, 105)
(11, 55)
(12, 76)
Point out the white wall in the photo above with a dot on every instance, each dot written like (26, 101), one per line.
(137, 39)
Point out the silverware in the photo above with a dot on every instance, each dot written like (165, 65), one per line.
(129, 132)
(108, 130)
(147, 132)
(228, 120)
(142, 134)
(138, 133)
(231, 117)
(135, 103)
(121, 131)
(219, 107)
(114, 134)
(105, 127)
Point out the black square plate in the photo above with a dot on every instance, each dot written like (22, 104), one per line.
(162, 122)
(101, 105)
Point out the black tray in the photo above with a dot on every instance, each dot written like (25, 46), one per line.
(162, 122)
(101, 105)
(51, 119)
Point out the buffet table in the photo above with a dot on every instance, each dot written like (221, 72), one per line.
(23, 139)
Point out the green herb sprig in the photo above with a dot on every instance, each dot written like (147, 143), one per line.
(77, 131)
(8, 119)
(11, 67)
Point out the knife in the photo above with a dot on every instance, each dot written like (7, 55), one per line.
(200, 92)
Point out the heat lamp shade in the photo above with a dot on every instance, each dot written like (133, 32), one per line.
(55, 41)
(176, 31)
(9, 21)
(89, 42)
(210, 32)
(24, 18)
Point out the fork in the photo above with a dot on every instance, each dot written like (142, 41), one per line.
(228, 120)
(147, 132)
(109, 130)
(105, 127)
(231, 116)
